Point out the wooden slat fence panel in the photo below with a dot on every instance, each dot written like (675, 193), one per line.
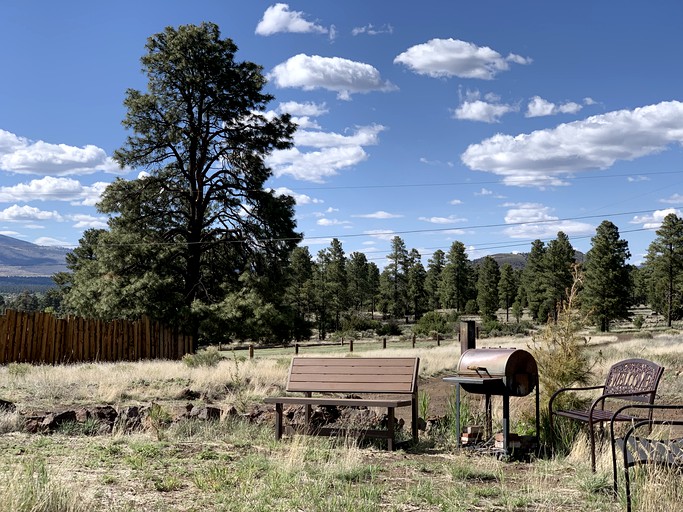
(44, 338)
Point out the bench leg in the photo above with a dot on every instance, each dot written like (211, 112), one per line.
(391, 428)
(413, 425)
(278, 421)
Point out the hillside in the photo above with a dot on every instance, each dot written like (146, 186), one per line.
(518, 260)
(24, 259)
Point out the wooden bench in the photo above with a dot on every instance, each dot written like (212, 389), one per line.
(632, 380)
(643, 450)
(393, 376)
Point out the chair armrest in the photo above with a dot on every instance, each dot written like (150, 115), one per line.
(562, 390)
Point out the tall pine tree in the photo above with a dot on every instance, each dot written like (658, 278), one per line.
(607, 288)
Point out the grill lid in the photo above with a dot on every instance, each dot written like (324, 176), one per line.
(498, 371)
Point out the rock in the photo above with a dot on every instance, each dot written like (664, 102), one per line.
(6, 406)
(53, 420)
(188, 394)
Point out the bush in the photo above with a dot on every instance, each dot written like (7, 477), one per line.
(638, 321)
(359, 323)
(206, 357)
(494, 328)
(563, 361)
(432, 322)
(471, 307)
(391, 328)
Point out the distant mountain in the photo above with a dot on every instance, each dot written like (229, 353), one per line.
(24, 259)
(518, 260)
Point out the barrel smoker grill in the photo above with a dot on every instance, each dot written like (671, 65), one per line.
(501, 372)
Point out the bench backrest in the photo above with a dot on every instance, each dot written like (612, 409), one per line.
(354, 374)
(632, 376)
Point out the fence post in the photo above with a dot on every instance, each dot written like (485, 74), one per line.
(351, 345)
(384, 342)
(342, 341)
(438, 339)
(251, 351)
(414, 340)
(296, 348)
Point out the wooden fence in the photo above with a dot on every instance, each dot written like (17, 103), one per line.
(44, 338)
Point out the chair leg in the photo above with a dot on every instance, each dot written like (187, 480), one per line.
(591, 434)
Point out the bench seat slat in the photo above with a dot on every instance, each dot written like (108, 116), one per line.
(408, 362)
(352, 370)
(347, 387)
(349, 402)
(370, 379)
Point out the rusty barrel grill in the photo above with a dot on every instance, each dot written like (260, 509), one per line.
(502, 372)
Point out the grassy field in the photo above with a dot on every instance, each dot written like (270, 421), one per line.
(234, 465)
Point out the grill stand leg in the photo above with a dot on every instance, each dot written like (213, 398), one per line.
(489, 417)
(506, 424)
(457, 415)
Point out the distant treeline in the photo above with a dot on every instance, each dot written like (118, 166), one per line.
(11, 285)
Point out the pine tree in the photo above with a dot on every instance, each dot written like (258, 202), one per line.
(396, 274)
(557, 273)
(507, 289)
(487, 288)
(664, 269)
(358, 274)
(435, 266)
(456, 286)
(607, 290)
(533, 281)
(416, 276)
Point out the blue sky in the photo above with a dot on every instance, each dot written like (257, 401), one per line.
(493, 122)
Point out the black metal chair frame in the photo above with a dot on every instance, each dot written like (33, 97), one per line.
(651, 456)
(634, 380)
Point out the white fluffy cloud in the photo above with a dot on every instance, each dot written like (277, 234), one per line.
(88, 221)
(278, 18)
(371, 30)
(343, 76)
(451, 219)
(332, 153)
(16, 213)
(23, 156)
(654, 220)
(308, 109)
(539, 107)
(300, 199)
(379, 215)
(534, 220)
(673, 199)
(542, 157)
(50, 188)
(453, 57)
(488, 110)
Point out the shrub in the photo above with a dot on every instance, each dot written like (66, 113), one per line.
(391, 328)
(357, 323)
(638, 321)
(562, 358)
(471, 307)
(432, 322)
(205, 357)
(494, 328)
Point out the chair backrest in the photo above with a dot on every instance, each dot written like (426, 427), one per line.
(633, 376)
(354, 374)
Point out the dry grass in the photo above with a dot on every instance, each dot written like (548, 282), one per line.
(231, 466)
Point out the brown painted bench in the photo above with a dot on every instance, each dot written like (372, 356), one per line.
(392, 376)
(644, 450)
(631, 380)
